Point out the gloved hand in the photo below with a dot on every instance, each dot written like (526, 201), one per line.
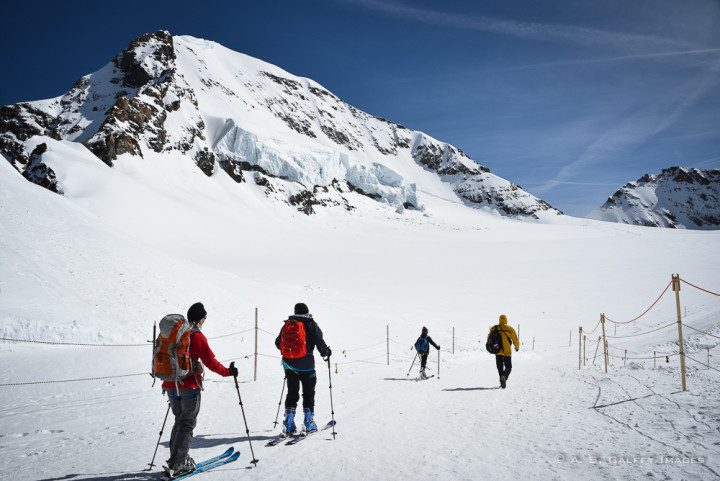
(438, 347)
(233, 370)
(329, 352)
(517, 349)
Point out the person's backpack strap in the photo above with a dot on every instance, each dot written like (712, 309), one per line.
(506, 336)
(195, 362)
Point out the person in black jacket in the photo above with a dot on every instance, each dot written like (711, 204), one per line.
(302, 371)
(422, 346)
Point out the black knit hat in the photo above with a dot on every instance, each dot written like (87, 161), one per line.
(301, 308)
(196, 313)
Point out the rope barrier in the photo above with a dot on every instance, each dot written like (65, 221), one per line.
(642, 333)
(233, 334)
(622, 349)
(659, 355)
(74, 380)
(643, 358)
(88, 344)
(363, 348)
(594, 329)
(646, 311)
(702, 363)
(700, 288)
(73, 343)
(698, 330)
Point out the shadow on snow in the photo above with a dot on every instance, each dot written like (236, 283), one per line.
(472, 388)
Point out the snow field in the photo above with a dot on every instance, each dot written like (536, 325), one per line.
(552, 422)
(103, 266)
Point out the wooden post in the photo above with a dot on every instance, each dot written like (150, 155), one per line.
(602, 321)
(596, 349)
(625, 358)
(388, 344)
(453, 343)
(438, 364)
(676, 288)
(570, 342)
(580, 349)
(533, 350)
(584, 351)
(256, 343)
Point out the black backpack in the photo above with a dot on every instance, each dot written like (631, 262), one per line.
(494, 342)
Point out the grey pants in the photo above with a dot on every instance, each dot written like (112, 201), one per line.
(185, 406)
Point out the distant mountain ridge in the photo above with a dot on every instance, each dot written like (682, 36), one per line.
(232, 113)
(679, 197)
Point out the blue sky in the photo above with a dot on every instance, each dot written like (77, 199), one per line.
(570, 99)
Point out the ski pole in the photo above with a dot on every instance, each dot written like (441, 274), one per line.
(438, 363)
(332, 409)
(152, 463)
(411, 365)
(280, 403)
(247, 431)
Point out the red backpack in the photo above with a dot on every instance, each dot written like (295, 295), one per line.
(293, 342)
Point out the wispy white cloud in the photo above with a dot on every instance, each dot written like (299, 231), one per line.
(707, 162)
(638, 128)
(640, 44)
(621, 58)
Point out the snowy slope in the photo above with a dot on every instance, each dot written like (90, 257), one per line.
(178, 99)
(124, 247)
(679, 197)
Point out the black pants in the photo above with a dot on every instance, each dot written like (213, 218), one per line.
(308, 379)
(423, 360)
(186, 408)
(504, 365)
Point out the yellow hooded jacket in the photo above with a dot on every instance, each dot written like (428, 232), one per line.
(507, 334)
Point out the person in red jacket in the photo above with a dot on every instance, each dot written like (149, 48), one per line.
(185, 396)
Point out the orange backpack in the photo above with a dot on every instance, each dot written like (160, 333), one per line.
(171, 355)
(293, 343)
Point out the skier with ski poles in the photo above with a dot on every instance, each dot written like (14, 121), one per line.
(299, 336)
(503, 358)
(422, 346)
(185, 395)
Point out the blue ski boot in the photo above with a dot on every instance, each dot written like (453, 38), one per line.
(310, 426)
(289, 427)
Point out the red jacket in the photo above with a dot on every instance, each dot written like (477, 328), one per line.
(199, 348)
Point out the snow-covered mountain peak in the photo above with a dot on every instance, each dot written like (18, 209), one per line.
(238, 116)
(679, 197)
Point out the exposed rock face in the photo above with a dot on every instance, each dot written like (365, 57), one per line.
(18, 124)
(319, 152)
(39, 173)
(679, 197)
(474, 183)
(136, 72)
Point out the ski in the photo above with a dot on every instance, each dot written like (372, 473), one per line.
(425, 379)
(224, 455)
(276, 440)
(212, 463)
(299, 437)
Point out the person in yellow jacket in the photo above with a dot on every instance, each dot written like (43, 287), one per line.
(503, 359)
